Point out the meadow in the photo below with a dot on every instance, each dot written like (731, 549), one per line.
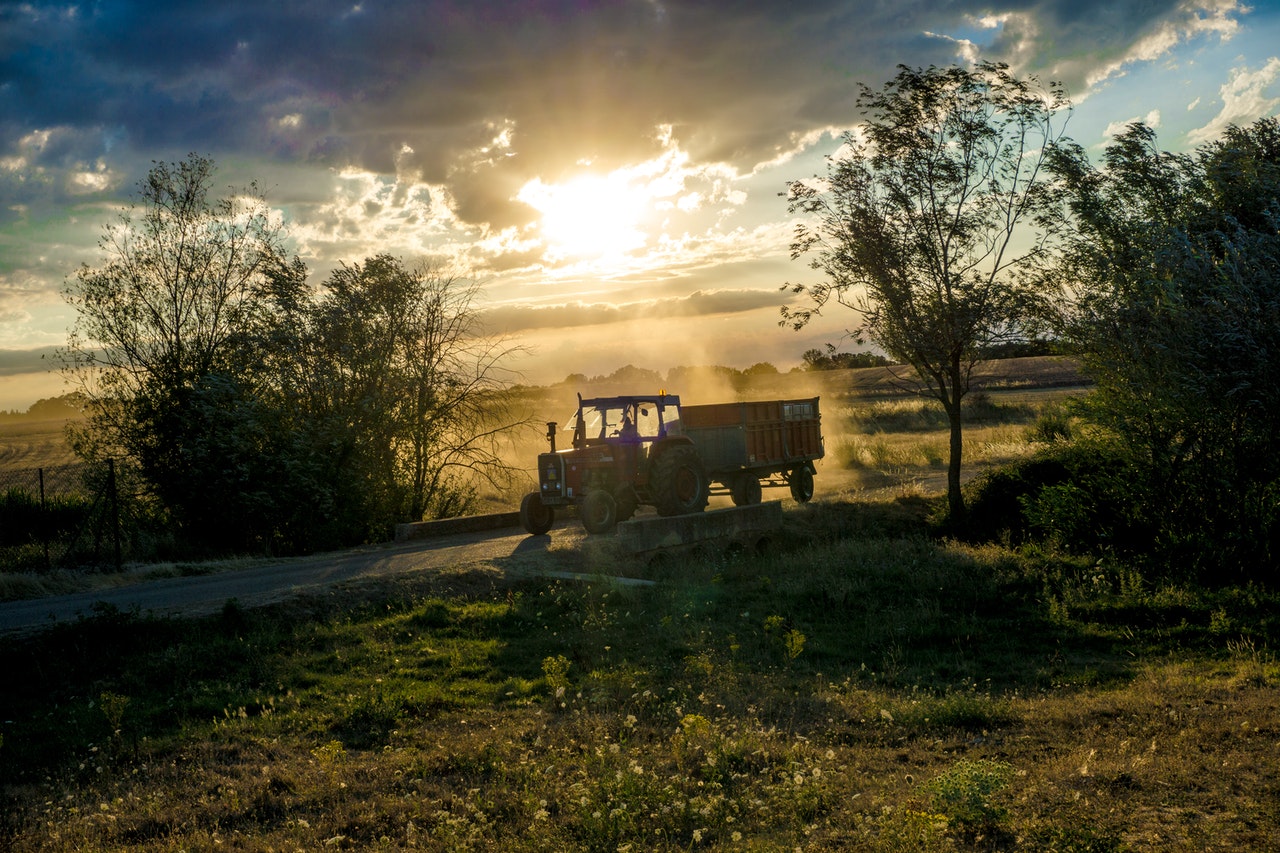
(863, 685)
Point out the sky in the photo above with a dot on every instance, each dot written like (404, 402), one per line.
(612, 171)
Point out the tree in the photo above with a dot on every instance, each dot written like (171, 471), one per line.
(259, 414)
(163, 339)
(832, 359)
(921, 224)
(404, 394)
(1175, 270)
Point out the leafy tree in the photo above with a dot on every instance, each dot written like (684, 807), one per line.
(163, 341)
(832, 359)
(635, 379)
(404, 397)
(258, 414)
(1175, 266)
(920, 223)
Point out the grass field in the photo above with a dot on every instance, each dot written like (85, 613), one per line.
(34, 443)
(863, 686)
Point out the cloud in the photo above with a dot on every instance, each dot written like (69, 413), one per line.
(516, 318)
(1244, 99)
(17, 362)
(560, 82)
(1147, 37)
(1115, 128)
(412, 126)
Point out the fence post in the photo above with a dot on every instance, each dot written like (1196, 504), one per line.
(44, 522)
(115, 512)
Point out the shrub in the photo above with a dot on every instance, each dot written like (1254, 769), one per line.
(967, 792)
(1080, 498)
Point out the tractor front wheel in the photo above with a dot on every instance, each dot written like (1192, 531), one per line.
(679, 482)
(599, 512)
(535, 516)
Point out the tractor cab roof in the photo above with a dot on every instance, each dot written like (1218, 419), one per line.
(629, 400)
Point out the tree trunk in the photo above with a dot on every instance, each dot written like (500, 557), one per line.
(954, 397)
(955, 500)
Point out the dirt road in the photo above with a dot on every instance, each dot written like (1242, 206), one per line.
(509, 550)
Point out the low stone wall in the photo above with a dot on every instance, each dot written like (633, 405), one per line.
(743, 524)
(465, 524)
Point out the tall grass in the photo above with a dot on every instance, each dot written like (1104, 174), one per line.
(908, 441)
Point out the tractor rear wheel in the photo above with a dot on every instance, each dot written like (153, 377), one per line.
(599, 512)
(679, 482)
(801, 481)
(535, 516)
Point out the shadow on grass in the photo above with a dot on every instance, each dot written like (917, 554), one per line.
(854, 615)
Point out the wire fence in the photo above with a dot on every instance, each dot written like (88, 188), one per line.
(60, 517)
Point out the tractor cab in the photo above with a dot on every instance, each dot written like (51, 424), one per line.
(625, 420)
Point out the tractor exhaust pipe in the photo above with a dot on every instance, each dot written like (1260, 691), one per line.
(551, 434)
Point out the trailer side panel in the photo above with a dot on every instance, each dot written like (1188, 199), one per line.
(770, 434)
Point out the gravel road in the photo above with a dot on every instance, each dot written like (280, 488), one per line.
(513, 551)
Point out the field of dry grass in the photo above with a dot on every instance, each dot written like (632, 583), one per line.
(33, 443)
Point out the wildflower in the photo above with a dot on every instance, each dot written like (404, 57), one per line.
(697, 836)
(737, 836)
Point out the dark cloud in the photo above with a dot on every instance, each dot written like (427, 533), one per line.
(353, 83)
(14, 362)
(509, 319)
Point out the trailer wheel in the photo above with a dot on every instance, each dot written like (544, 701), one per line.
(627, 500)
(535, 516)
(746, 490)
(801, 481)
(679, 482)
(599, 512)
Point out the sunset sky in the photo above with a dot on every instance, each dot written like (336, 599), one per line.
(610, 170)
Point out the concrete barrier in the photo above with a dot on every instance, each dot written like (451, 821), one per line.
(745, 525)
(465, 524)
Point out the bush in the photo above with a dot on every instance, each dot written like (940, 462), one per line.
(1079, 498)
(26, 521)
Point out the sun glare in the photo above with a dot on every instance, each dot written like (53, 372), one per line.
(590, 216)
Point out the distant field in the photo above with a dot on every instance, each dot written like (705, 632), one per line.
(33, 443)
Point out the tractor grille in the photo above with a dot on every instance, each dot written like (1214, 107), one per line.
(551, 475)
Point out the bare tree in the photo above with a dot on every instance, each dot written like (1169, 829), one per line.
(456, 407)
(921, 224)
(416, 390)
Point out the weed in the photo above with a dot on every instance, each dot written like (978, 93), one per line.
(968, 793)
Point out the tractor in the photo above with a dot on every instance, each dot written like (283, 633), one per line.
(627, 451)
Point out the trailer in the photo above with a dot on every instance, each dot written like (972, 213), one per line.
(749, 446)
